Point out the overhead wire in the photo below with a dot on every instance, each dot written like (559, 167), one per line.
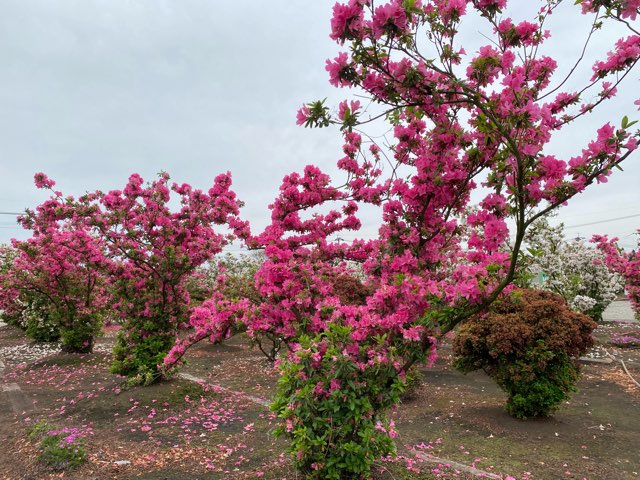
(604, 221)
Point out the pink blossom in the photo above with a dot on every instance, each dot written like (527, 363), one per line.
(337, 70)
(42, 181)
(389, 18)
(302, 115)
(346, 20)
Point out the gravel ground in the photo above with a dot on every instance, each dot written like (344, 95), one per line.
(16, 354)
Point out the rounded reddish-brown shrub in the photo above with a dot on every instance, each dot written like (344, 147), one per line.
(526, 343)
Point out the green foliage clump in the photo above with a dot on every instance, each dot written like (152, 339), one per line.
(78, 335)
(526, 343)
(334, 408)
(60, 449)
(138, 351)
(36, 318)
(43, 321)
(413, 380)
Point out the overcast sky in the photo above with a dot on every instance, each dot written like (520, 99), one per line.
(94, 90)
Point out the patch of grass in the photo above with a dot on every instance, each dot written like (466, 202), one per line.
(60, 449)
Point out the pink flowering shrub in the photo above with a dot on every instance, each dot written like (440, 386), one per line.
(23, 308)
(128, 250)
(60, 268)
(10, 306)
(153, 250)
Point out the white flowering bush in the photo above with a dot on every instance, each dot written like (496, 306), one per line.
(573, 269)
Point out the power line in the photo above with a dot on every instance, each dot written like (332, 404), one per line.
(604, 221)
(599, 212)
(11, 213)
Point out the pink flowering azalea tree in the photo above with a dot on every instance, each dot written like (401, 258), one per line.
(63, 264)
(627, 264)
(153, 250)
(459, 121)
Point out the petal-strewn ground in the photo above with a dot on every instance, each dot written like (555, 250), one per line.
(212, 422)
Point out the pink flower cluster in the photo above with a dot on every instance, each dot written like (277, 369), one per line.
(626, 53)
(627, 8)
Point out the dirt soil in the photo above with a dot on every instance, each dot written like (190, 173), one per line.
(220, 428)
